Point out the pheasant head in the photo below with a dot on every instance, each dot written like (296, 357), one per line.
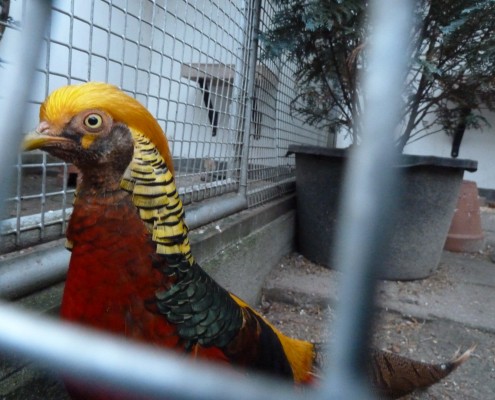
(74, 118)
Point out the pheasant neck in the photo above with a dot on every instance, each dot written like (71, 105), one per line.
(98, 182)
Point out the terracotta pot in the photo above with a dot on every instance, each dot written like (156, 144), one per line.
(465, 233)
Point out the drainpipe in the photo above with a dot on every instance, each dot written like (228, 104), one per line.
(35, 270)
(214, 209)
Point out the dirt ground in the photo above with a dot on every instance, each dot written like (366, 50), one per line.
(434, 340)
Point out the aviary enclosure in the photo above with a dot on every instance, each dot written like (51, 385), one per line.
(197, 67)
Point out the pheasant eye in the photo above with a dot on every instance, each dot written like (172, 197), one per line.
(93, 121)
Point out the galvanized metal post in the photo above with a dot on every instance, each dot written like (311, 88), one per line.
(236, 109)
(251, 76)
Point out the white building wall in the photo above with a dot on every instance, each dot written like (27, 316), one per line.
(477, 145)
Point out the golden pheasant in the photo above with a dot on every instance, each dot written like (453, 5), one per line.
(131, 270)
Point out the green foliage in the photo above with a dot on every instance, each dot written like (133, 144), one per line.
(451, 71)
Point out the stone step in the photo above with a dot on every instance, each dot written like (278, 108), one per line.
(461, 290)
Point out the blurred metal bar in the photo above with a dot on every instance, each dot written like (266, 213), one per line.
(138, 369)
(15, 82)
(369, 197)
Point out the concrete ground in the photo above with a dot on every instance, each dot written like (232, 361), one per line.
(427, 319)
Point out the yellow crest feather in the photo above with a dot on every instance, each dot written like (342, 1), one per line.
(64, 103)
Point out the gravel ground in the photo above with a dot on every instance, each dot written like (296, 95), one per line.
(434, 340)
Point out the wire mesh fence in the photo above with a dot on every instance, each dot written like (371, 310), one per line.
(197, 66)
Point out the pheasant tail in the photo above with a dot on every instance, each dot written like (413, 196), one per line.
(394, 376)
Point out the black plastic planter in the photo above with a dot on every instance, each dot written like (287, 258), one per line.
(431, 188)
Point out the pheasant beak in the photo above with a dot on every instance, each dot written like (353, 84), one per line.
(42, 137)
